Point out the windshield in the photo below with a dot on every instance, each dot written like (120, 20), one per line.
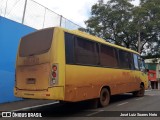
(36, 43)
(142, 64)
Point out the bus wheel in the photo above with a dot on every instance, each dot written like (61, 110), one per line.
(104, 97)
(139, 93)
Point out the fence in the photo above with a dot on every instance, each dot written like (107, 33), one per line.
(33, 14)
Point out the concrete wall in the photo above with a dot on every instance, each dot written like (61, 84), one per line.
(10, 34)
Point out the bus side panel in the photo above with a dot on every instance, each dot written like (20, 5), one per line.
(141, 77)
(85, 82)
(81, 85)
(58, 58)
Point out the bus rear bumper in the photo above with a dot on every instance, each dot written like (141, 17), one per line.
(54, 93)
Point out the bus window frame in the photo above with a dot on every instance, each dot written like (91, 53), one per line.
(98, 45)
(72, 41)
(96, 49)
(115, 54)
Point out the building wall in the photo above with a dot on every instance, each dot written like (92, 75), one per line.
(10, 34)
(151, 66)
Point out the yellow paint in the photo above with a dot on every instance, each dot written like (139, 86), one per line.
(54, 93)
(75, 83)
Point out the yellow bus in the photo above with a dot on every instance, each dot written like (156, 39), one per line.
(70, 65)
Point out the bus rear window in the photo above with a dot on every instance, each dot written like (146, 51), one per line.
(36, 43)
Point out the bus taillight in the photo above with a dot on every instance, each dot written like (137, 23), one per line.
(54, 68)
(54, 74)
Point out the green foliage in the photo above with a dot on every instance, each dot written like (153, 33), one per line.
(151, 56)
(119, 22)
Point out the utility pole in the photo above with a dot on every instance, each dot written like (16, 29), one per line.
(100, 2)
(139, 42)
(139, 37)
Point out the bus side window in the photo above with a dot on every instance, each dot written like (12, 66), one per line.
(124, 60)
(131, 61)
(136, 64)
(86, 52)
(108, 56)
(69, 48)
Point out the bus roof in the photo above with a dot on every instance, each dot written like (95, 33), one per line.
(91, 37)
(97, 39)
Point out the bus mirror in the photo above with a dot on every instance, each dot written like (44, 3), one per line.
(146, 70)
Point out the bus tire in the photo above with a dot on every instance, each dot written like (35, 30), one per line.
(104, 97)
(139, 93)
(93, 104)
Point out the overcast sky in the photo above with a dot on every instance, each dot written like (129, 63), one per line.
(75, 10)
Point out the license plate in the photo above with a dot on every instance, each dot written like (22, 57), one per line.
(31, 81)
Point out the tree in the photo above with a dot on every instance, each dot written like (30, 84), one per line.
(111, 22)
(119, 22)
(150, 29)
